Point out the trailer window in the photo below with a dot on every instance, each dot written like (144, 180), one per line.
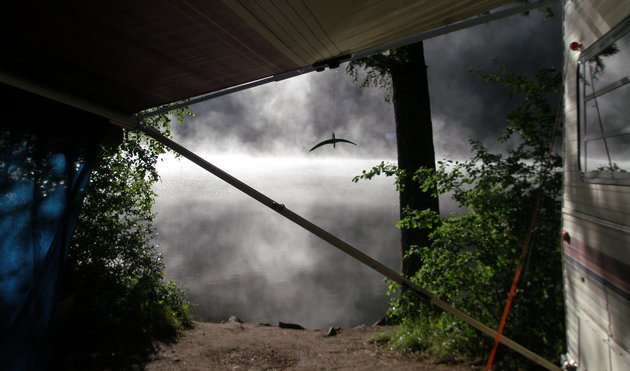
(604, 83)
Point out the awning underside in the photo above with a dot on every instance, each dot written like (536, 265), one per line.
(129, 56)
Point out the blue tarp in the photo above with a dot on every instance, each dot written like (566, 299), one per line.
(44, 173)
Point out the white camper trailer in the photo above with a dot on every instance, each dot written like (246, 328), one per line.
(596, 208)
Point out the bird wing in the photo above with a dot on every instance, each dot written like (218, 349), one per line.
(345, 141)
(329, 141)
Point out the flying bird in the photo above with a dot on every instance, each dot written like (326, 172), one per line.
(331, 141)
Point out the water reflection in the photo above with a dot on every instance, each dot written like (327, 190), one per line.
(237, 257)
(605, 84)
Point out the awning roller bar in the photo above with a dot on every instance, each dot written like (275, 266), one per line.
(341, 245)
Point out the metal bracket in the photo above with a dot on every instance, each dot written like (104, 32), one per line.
(277, 207)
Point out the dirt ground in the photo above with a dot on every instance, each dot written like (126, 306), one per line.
(243, 346)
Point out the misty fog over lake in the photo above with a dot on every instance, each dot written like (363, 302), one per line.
(237, 257)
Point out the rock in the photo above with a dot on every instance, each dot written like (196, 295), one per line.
(333, 331)
(385, 321)
(293, 326)
(234, 319)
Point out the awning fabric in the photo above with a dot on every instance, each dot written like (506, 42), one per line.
(129, 56)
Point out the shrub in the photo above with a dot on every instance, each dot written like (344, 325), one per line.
(122, 300)
(472, 255)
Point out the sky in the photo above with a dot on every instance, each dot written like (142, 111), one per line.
(235, 257)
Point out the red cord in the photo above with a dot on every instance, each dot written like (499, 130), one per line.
(503, 318)
(517, 275)
(526, 242)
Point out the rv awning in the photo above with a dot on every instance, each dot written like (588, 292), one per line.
(126, 56)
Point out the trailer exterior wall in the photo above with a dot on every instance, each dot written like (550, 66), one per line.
(596, 217)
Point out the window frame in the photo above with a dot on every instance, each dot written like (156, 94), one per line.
(598, 177)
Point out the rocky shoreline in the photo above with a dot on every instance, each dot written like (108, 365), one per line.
(234, 345)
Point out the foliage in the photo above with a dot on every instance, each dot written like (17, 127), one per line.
(472, 256)
(613, 168)
(122, 300)
(441, 336)
(544, 11)
(387, 169)
(375, 70)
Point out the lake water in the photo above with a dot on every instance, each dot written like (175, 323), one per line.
(237, 257)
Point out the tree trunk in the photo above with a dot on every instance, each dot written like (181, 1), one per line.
(415, 141)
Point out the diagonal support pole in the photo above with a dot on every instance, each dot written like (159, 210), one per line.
(341, 245)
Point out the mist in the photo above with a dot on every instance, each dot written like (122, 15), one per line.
(236, 257)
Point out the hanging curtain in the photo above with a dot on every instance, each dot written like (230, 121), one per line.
(44, 172)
